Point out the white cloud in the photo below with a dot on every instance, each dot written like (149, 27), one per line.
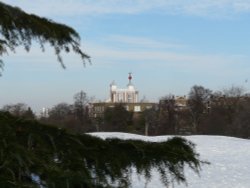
(242, 5)
(207, 8)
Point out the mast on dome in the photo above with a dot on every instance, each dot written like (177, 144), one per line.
(130, 78)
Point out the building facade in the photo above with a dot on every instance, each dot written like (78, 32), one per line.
(128, 97)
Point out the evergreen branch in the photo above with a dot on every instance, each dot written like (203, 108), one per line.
(58, 157)
(19, 28)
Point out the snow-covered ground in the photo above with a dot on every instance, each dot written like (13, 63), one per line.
(229, 158)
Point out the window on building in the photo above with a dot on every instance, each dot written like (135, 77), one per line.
(127, 108)
(99, 109)
(137, 108)
(129, 98)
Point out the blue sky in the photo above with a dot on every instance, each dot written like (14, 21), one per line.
(168, 45)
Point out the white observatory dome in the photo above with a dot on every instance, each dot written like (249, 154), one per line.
(113, 86)
(131, 87)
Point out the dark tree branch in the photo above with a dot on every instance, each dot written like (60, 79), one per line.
(18, 28)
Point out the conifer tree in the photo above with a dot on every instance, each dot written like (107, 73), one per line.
(37, 155)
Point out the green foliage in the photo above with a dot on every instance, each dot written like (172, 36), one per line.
(117, 118)
(18, 28)
(59, 159)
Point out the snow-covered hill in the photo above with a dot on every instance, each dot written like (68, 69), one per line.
(229, 158)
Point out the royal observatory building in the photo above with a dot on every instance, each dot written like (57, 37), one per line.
(127, 95)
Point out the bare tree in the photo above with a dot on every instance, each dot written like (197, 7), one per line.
(228, 112)
(81, 110)
(20, 110)
(59, 114)
(167, 116)
(151, 118)
(241, 122)
(234, 104)
(198, 100)
(233, 91)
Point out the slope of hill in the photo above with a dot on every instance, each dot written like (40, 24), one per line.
(229, 158)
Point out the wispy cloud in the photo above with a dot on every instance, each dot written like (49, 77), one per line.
(140, 51)
(207, 8)
(143, 42)
(182, 60)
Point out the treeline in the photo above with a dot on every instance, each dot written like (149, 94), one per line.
(72, 117)
(203, 111)
(224, 112)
